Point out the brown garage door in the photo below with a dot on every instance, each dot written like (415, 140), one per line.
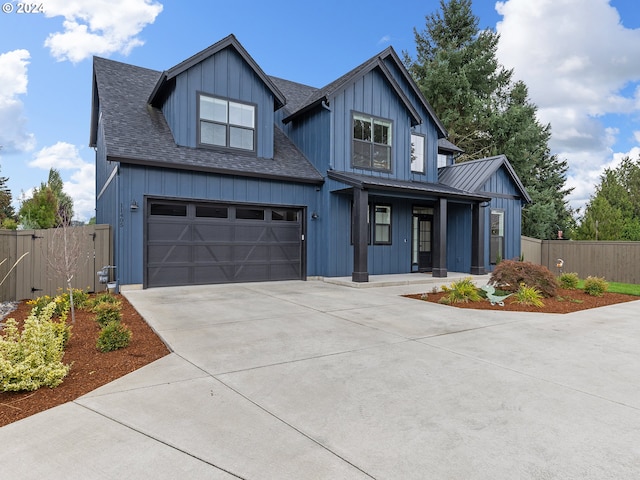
(200, 243)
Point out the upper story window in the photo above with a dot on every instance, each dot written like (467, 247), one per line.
(417, 153)
(371, 142)
(225, 123)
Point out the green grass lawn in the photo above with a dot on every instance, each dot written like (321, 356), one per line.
(616, 287)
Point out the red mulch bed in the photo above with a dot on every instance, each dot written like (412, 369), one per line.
(566, 301)
(90, 368)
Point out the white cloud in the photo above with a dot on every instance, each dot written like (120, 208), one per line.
(61, 156)
(13, 78)
(580, 65)
(81, 188)
(384, 40)
(99, 27)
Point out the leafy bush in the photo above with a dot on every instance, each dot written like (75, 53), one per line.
(461, 291)
(569, 280)
(62, 305)
(113, 336)
(528, 296)
(102, 298)
(33, 358)
(595, 286)
(107, 313)
(509, 274)
(80, 298)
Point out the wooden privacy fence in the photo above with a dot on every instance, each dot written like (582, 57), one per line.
(35, 275)
(615, 261)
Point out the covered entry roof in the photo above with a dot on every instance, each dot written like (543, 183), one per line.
(408, 187)
(473, 175)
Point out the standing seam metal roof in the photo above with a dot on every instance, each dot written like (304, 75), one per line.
(471, 176)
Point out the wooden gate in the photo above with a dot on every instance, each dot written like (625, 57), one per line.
(36, 273)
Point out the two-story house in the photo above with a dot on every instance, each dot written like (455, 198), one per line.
(214, 172)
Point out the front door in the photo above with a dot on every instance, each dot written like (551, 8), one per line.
(422, 239)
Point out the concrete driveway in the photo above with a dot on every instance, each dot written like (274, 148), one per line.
(308, 380)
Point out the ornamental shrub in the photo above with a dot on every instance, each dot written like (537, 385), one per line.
(113, 336)
(569, 281)
(33, 358)
(102, 298)
(80, 298)
(509, 274)
(462, 291)
(528, 296)
(107, 312)
(595, 286)
(62, 305)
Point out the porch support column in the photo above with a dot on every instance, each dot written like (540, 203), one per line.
(440, 239)
(360, 235)
(477, 239)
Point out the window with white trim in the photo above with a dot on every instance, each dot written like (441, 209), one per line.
(497, 236)
(226, 123)
(417, 153)
(372, 140)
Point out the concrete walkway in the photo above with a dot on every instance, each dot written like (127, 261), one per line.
(311, 380)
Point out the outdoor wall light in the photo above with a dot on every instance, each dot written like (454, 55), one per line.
(314, 215)
(133, 206)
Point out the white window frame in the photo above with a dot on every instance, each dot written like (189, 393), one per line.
(418, 144)
(497, 243)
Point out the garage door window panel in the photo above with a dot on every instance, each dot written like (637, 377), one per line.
(209, 211)
(168, 209)
(249, 214)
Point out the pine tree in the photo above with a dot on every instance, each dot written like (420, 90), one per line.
(65, 202)
(6, 209)
(486, 113)
(613, 212)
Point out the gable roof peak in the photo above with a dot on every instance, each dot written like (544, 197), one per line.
(376, 61)
(230, 41)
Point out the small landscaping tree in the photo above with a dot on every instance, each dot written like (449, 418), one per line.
(510, 274)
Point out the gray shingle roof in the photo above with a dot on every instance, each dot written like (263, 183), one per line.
(445, 145)
(136, 132)
(471, 176)
(408, 187)
(296, 94)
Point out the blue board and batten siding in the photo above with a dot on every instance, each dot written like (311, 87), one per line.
(426, 128)
(506, 197)
(200, 186)
(382, 259)
(311, 134)
(459, 237)
(371, 94)
(226, 75)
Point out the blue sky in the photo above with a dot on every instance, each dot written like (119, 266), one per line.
(580, 59)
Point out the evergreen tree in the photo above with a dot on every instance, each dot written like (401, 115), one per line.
(65, 202)
(6, 209)
(613, 212)
(486, 113)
